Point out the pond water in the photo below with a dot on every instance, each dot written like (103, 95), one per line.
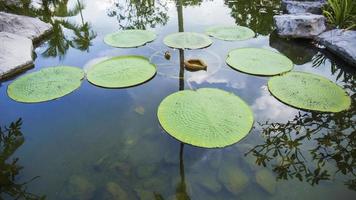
(98, 143)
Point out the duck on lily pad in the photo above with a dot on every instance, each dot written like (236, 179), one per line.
(195, 65)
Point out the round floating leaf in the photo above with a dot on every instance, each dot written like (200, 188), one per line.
(129, 38)
(207, 117)
(46, 84)
(259, 61)
(310, 92)
(230, 33)
(121, 71)
(187, 40)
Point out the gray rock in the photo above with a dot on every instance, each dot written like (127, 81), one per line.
(341, 43)
(29, 27)
(16, 54)
(294, 7)
(299, 25)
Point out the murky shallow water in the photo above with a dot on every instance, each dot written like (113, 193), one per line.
(91, 143)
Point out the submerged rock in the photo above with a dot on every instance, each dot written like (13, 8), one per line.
(294, 7)
(299, 25)
(144, 194)
(233, 178)
(116, 191)
(79, 188)
(341, 43)
(29, 27)
(16, 54)
(122, 168)
(266, 180)
(145, 171)
(209, 182)
(140, 110)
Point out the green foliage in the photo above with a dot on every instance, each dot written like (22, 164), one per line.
(187, 40)
(121, 71)
(207, 117)
(309, 91)
(230, 33)
(341, 13)
(129, 38)
(258, 61)
(47, 84)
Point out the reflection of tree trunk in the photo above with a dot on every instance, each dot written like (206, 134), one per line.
(181, 192)
(181, 52)
(80, 11)
(180, 16)
(181, 69)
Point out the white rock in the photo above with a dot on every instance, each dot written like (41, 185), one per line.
(341, 43)
(294, 7)
(29, 27)
(299, 25)
(15, 53)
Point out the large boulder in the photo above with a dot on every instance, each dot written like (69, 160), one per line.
(294, 7)
(29, 27)
(341, 43)
(15, 54)
(299, 25)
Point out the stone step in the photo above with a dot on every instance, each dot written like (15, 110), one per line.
(299, 25)
(29, 27)
(16, 54)
(294, 7)
(340, 42)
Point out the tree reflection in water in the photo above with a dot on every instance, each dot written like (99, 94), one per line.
(139, 14)
(257, 15)
(55, 12)
(313, 146)
(11, 138)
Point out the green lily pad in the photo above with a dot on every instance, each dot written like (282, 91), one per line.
(46, 84)
(230, 33)
(187, 40)
(310, 92)
(258, 61)
(121, 71)
(207, 117)
(129, 38)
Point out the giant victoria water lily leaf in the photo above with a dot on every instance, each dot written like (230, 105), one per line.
(230, 33)
(187, 40)
(121, 71)
(129, 38)
(258, 61)
(310, 92)
(46, 84)
(207, 117)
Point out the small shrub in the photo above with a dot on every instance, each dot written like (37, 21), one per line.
(341, 13)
